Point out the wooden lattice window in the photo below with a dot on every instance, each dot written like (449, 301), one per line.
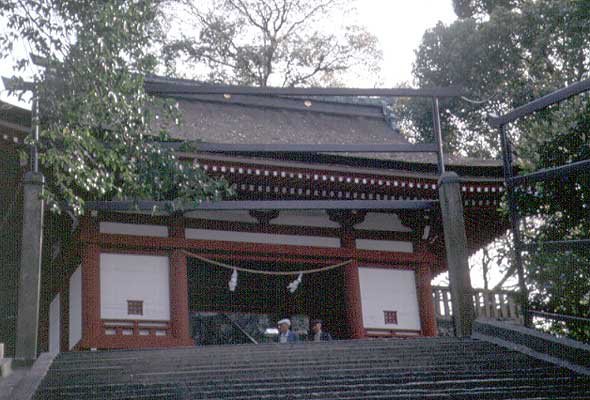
(134, 307)
(390, 317)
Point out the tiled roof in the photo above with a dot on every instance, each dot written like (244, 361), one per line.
(255, 119)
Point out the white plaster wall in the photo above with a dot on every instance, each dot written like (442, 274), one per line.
(75, 308)
(389, 290)
(307, 218)
(133, 229)
(250, 237)
(54, 325)
(382, 222)
(134, 277)
(384, 245)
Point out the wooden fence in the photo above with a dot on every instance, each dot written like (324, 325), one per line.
(495, 304)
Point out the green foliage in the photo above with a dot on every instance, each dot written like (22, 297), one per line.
(520, 51)
(507, 53)
(475, 8)
(263, 43)
(560, 283)
(97, 139)
(560, 280)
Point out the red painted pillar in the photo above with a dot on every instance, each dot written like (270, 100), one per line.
(64, 298)
(425, 301)
(352, 288)
(91, 324)
(179, 311)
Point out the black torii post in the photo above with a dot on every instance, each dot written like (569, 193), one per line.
(29, 287)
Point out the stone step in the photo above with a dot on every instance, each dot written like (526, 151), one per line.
(471, 380)
(482, 390)
(448, 368)
(158, 372)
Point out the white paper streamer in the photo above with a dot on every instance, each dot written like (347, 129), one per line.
(295, 284)
(233, 282)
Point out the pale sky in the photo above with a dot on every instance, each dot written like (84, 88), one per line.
(399, 25)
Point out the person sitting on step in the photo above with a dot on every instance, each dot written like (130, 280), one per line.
(285, 334)
(317, 334)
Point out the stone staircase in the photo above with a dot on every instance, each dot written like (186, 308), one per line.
(426, 368)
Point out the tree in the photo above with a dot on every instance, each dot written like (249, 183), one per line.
(560, 280)
(263, 43)
(513, 53)
(97, 140)
(480, 8)
(506, 53)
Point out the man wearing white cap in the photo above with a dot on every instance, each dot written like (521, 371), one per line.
(285, 334)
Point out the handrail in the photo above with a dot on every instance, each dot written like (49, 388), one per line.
(474, 290)
(239, 327)
(560, 317)
(547, 173)
(511, 181)
(558, 244)
(539, 104)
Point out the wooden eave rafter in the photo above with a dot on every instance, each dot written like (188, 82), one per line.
(390, 167)
(261, 180)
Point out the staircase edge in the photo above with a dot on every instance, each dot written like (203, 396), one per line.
(28, 385)
(565, 353)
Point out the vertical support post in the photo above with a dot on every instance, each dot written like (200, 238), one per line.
(453, 220)
(27, 325)
(352, 285)
(179, 309)
(179, 312)
(34, 151)
(65, 315)
(353, 301)
(427, 313)
(91, 325)
(515, 224)
(438, 135)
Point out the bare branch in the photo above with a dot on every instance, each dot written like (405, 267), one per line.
(511, 271)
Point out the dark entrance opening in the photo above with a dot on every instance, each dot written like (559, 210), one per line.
(259, 301)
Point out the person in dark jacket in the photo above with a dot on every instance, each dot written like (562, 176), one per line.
(285, 334)
(317, 335)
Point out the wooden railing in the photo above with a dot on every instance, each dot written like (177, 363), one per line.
(495, 304)
(124, 327)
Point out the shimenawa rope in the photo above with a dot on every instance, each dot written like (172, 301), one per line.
(262, 272)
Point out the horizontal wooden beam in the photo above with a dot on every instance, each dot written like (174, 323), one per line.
(15, 127)
(162, 87)
(218, 249)
(306, 148)
(14, 85)
(168, 206)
